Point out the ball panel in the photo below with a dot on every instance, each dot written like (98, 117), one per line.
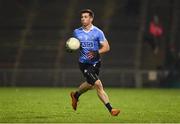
(73, 43)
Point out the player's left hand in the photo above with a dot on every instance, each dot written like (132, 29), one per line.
(93, 54)
(67, 49)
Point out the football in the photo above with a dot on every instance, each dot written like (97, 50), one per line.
(73, 43)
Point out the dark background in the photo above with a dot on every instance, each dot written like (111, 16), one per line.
(33, 34)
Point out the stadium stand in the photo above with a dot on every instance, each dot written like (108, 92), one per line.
(33, 35)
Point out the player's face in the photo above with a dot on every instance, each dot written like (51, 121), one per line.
(86, 19)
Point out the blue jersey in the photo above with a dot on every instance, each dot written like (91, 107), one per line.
(90, 41)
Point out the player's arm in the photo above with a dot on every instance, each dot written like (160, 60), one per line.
(104, 47)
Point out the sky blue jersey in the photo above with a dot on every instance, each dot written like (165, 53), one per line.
(90, 41)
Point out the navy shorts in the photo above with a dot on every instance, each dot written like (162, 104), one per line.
(90, 71)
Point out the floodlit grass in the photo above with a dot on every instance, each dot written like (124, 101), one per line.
(54, 105)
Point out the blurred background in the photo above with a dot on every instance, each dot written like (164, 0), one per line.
(143, 35)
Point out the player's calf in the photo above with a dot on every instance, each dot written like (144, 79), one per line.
(104, 98)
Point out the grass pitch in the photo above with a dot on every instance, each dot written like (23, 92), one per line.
(54, 105)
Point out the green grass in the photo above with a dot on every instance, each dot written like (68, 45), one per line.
(53, 105)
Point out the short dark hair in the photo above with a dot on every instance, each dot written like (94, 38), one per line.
(91, 13)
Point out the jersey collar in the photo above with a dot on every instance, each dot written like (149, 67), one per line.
(92, 27)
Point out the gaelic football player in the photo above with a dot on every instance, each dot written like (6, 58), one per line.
(93, 44)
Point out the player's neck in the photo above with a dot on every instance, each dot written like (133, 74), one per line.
(87, 27)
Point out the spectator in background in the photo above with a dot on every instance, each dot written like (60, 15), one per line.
(154, 34)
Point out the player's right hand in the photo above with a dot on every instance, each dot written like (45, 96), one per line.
(93, 55)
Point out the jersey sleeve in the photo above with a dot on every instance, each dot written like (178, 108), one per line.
(74, 34)
(102, 37)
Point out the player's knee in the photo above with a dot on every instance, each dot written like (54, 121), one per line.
(92, 87)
